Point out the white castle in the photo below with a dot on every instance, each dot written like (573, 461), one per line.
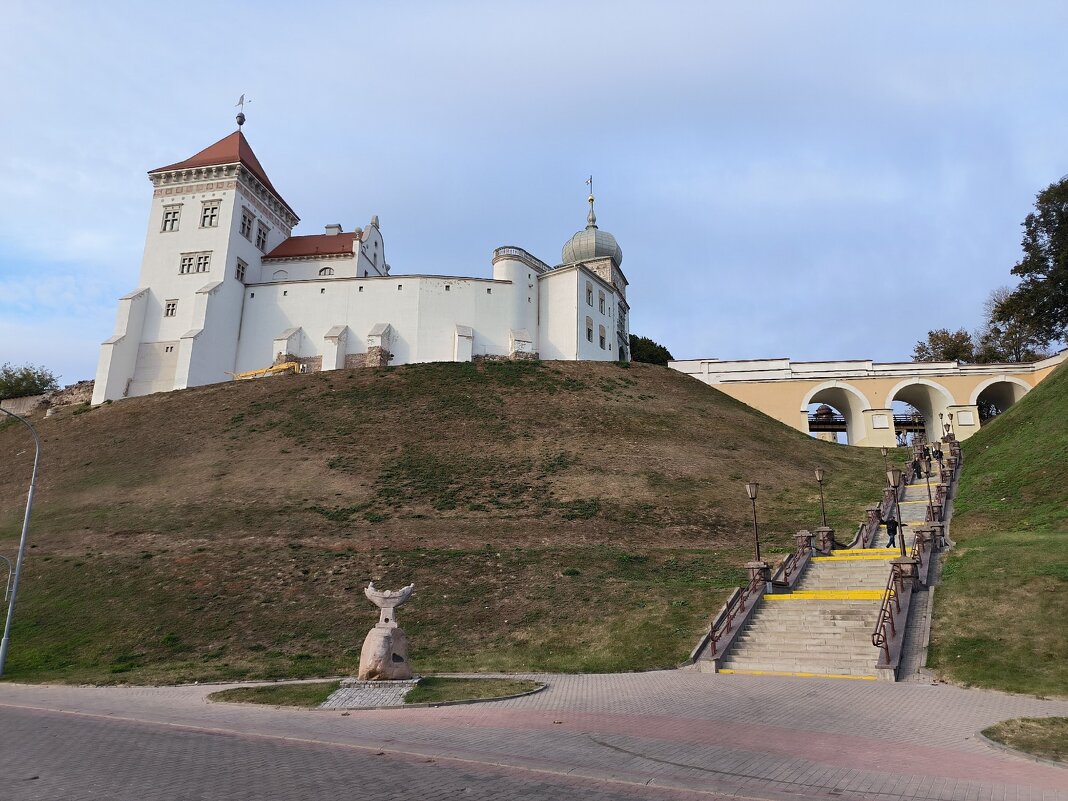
(225, 288)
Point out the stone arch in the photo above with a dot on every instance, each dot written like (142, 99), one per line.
(847, 399)
(1001, 392)
(928, 397)
(1012, 381)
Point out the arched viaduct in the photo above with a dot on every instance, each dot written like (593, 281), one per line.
(863, 392)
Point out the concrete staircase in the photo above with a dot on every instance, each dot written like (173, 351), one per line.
(821, 628)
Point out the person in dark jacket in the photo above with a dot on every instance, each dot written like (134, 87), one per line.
(891, 532)
(917, 471)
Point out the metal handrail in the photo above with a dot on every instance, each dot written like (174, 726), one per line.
(735, 606)
(885, 620)
(792, 559)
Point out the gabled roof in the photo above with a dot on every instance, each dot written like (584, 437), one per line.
(233, 149)
(297, 247)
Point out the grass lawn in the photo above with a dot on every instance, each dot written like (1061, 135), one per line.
(435, 689)
(309, 694)
(1000, 609)
(553, 516)
(432, 689)
(1041, 737)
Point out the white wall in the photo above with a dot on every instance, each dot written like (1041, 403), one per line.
(422, 312)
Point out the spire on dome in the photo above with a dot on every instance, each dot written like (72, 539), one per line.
(591, 218)
(591, 243)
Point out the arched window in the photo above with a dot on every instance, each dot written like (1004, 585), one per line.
(280, 275)
(326, 271)
(600, 332)
(589, 294)
(600, 301)
(589, 329)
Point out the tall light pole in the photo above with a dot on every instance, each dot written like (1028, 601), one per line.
(823, 507)
(941, 426)
(930, 499)
(893, 477)
(22, 541)
(751, 488)
(885, 451)
(950, 416)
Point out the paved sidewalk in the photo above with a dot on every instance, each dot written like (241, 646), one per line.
(647, 735)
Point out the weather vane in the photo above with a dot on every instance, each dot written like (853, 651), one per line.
(589, 181)
(241, 114)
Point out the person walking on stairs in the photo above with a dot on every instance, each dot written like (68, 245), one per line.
(917, 472)
(891, 532)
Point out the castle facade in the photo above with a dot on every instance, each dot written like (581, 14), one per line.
(225, 288)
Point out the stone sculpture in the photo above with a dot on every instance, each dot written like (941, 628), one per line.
(384, 656)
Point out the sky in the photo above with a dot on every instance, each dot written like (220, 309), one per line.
(819, 180)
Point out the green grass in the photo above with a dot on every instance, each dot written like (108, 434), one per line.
(1041, 737)
(1000, 609)
(553, 516)
(309, 694)
(437, 689)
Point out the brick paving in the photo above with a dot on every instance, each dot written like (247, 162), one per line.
(647, 735)
(354, 694)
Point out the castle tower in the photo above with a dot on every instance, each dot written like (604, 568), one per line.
(212, 218)
(604, 321)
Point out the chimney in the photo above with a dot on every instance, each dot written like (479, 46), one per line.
(333, 230)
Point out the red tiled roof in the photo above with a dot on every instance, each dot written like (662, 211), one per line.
(314, 245)
(232, 149)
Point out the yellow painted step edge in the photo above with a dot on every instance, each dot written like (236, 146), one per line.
(798, 675)
(828, 595)
(874, 557)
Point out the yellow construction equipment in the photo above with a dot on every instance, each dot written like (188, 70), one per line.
(285, 368)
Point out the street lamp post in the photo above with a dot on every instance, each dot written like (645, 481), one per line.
(751, 488)
(884, 450)
(22, 541)
(930, 499)
(941, 426)
(950, 416)
(893, 477)
(823, 506)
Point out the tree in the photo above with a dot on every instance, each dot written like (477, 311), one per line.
(1006, 336)
(943, 346)
(643, 349)
(1041, 299)
(16, 382)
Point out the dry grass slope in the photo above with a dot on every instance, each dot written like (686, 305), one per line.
(554, 516)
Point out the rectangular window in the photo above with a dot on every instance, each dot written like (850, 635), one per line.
(589, 334)
(203, 262)
(261, 237)
(246, 224)
(602, 342)
(170, 308)
(209, 214)
(239, 273)
(589, 294)
(185, 266)
(600, 301)
(170, 218)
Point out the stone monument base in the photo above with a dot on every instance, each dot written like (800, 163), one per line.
(384, 655)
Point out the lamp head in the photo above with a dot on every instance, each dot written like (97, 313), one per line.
(885, 450)
(819, 474)
(893, 475)
(751, 488)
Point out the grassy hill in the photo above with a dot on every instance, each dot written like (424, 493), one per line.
(557, 516)
(1001, 609)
